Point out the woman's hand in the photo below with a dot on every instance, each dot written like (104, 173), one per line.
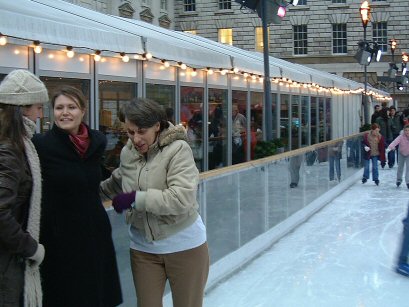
(123, 201)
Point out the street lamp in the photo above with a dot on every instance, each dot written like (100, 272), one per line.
(365, 11)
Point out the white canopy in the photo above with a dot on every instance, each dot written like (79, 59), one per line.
(35, 21)
(61, 23)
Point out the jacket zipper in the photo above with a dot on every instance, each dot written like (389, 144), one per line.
(146, 213)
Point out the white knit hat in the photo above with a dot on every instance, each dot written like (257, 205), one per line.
(22, 88)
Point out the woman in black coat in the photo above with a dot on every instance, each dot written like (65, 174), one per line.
(80, 267)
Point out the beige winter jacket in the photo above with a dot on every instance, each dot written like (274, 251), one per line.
(166, 182)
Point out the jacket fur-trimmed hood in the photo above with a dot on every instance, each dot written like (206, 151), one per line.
(172, 134)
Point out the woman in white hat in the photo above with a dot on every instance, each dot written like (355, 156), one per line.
(22, 96)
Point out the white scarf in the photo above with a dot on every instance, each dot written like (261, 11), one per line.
(33, 295)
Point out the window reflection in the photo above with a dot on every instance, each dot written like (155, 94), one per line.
(321, 120)
(113, 94)
(284, 119)
(239, 124)
(191, 115)
(217, 128)
(256, 124)
(327, 119)
(314, 120)
(165, 96)
(305, 126)
(295, 122)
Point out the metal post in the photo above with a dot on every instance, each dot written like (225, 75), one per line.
(365, 96)
(267, 85)
(394, 83)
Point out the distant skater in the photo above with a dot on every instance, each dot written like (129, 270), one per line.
(402, 141)
(374, 147)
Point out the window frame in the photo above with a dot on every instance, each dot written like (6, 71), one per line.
(300, 43)
(189, 5)
(224, 4)
(380, 34)
(260, 35)
(221, 35)
(164, 5)
(339, 39)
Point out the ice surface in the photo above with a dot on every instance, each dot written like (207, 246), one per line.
(343, 256)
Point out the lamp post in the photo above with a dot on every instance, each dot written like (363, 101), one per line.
(365, 11)
(393, 44)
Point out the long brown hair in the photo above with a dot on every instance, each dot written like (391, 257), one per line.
(12, 126)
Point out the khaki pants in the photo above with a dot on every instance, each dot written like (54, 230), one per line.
(187, 272)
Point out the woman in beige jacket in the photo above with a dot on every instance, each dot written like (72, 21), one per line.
(156, 184)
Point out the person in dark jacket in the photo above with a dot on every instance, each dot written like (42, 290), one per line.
(396, 128)
(374, 147)
(80, 267)
(375, 114)
(22, 96)
(385, 125)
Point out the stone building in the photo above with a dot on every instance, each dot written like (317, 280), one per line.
(320, 34)
(157, 12)
(316, 33)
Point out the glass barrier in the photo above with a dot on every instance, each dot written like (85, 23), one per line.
(241, 202)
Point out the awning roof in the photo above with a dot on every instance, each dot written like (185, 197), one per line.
(61, 23)
(35, 21)
(158, 41)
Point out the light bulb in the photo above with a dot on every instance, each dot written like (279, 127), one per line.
(124, 57)
(38, 49)
(3, 40)
(70, 54)
(97, 56)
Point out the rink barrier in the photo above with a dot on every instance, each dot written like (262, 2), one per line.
(225, 181)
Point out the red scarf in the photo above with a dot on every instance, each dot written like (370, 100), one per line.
(81, 140)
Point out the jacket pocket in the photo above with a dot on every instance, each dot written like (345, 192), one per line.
(134, 218)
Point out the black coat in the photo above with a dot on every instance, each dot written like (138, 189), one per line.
(15, 243)
(80, 266)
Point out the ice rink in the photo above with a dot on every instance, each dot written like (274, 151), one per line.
(343, 256)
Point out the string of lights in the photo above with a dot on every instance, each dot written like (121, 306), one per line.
(98, 55)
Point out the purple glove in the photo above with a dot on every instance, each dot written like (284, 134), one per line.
(123, 201)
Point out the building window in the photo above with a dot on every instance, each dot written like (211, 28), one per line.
(259, 38)
(194, 32)
(339, 38)
(226, 36)
(224, 4)
(300, 39)
(164, 5)
(380, 35)
(339, 1)
(189, 5)
(302, 2)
